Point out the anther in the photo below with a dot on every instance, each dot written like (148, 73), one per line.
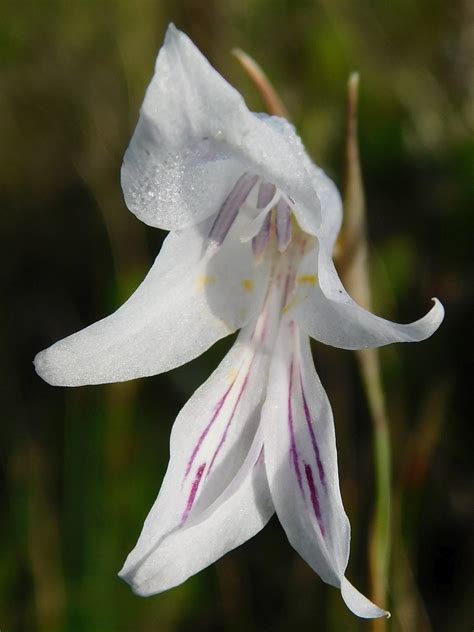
(230, 208)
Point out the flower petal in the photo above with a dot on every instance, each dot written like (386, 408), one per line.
(359, 604)
(185, 304)
(327, 313)
(301, 462)
(331, 207)
(235, 281)
(283, 224)
(215, 494)
(194, 139)
(328, 219)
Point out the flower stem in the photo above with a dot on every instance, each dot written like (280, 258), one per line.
(355, 272)
(269, 96)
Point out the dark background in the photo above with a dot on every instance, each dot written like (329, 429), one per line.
(80, 467)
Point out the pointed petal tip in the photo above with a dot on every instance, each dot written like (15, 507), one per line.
(172, 31)
(439, 307)
(434, 317)
(137, 588)
(130, 574)
(359, 604)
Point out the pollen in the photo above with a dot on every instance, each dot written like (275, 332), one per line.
(247, 284)
(307, 279)
(204, 280)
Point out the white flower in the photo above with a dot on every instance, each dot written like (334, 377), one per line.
(253, 224)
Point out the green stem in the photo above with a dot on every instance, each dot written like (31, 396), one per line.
(380, 536)
(355, 273)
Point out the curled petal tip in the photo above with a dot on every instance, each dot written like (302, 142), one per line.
(359, 604)
(437, 313)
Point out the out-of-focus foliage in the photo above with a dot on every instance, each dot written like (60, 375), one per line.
(80, 468)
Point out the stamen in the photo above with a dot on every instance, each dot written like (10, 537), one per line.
(283, 224)
(266, 193)
(253, 227)
(260, 241)
(231, 206)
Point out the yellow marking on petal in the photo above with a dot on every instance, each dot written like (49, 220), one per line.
(204, 280)
(308, 279)
(232, 374)
(247, 284)
(292, 304)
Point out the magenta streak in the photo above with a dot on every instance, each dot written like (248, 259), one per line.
(226, 430)
(307, 414)
(314, 496)
(289, 281)
(260, 457)
(221, 402)
(264, 332)
(283, 224)
(287, 288)
(204, 433)
(193, 492)
(293, 450)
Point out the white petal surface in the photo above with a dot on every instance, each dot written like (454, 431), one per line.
(331, 207)
(327, 313)
(359, 604)
(328, 216)
(196, 137)
(301, 463)
(185, 304)
(215, 494)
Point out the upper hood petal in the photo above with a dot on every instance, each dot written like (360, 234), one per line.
(328, 221)
(301, 463)
(194, 138)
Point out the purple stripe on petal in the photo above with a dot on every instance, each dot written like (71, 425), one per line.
(266, 192)
(293, 449)
(314, 443)
(205, 432)
(314, 496)
(283, 224)
(226, 430)
(260, 241)
(193, 492)
(229, 209)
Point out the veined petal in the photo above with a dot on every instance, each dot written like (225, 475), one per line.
(215, 494)
(185, 304)
(194, 139)
(235, 282)
(325, 311)
(283, 224)
(301, 463)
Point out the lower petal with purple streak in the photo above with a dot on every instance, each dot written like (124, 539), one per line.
(301, 464)
(216, 479)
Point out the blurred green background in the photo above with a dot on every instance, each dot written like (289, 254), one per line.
(81, 467)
